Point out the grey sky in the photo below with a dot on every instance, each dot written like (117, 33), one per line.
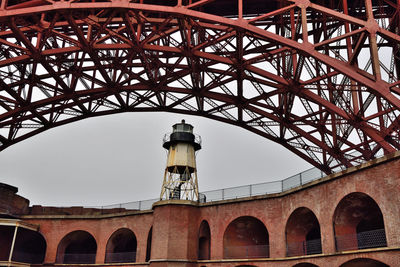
(119, 158)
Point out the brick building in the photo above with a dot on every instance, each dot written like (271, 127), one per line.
(337, 220)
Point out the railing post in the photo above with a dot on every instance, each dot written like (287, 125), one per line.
(13, 244)
(301, 179)
(250, 190)
(281, 185)
(223, 194)
(140, 205)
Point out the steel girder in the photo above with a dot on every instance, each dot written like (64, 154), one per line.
(318, 77)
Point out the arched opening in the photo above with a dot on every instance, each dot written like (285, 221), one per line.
(204, 241)
(305, 264)
(363, 262)
(78, 247)
(303, 235)
(246, 237)
(30, 247)
(148, 247)
(358, 223)
(121, 246)
(6, 237)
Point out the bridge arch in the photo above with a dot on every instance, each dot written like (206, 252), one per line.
(249, 77)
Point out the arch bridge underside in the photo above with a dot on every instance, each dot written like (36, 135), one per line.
(318, 77)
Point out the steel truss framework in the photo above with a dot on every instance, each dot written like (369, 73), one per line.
(318, 77)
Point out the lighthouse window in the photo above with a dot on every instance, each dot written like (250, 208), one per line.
(187, 128)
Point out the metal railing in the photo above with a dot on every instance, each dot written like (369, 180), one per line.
(120, 257)
(135, 205)
(307, 247)
(246, 252)
(167, 138)
(232, 192)
(262, 188)
(76, 258)
(362, 240)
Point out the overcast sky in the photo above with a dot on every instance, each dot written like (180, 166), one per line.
(119, 158)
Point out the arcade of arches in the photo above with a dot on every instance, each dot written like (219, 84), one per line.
(318, 221)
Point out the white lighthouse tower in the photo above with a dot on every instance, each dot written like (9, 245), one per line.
(180, 177)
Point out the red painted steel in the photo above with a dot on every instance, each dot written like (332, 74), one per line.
(318, 77)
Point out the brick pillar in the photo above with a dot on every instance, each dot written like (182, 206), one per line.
(277, 240)
(101, 251)
(141, 239)
(175, 235)
(327, 237)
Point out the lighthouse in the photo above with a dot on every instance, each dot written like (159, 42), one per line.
(180, 176)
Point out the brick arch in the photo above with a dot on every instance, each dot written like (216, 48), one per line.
(30, 247)
(121, 246)
(358, 223)
(77, 247)
(363, 262)
(148, 244)
(305, 264)
(219, 224)
(204, 241)
(303, 233)
(217, 228)
(61, 234)
(246, 237)
(6, 233)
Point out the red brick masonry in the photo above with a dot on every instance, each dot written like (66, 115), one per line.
(176, 224)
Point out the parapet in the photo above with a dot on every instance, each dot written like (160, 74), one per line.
(11, 204)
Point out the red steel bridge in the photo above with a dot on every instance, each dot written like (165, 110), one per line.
(319, 77)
